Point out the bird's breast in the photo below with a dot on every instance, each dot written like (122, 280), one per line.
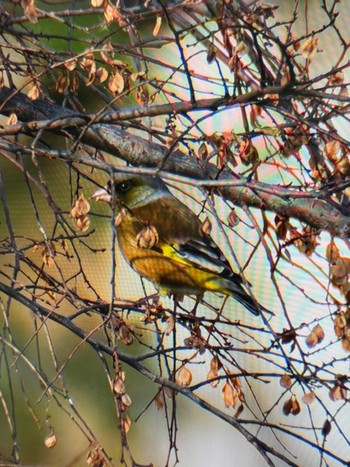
(163, 270)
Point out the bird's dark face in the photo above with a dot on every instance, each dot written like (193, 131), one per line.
(130, 190)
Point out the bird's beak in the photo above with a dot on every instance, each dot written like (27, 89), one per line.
(101, 195)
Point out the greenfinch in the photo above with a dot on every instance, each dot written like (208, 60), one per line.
(163, 241)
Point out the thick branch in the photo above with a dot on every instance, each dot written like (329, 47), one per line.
(43, 114)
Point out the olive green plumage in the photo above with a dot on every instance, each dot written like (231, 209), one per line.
(162, 240)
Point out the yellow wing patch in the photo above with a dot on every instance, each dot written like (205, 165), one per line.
(169, 251)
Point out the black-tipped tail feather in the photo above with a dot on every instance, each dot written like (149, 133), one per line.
(250, 304)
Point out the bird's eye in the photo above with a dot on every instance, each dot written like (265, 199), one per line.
(124, 186)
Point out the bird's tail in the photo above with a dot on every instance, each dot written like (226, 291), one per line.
(233, 288)
(247, 301)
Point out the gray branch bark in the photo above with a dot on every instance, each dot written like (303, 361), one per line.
(316, 209)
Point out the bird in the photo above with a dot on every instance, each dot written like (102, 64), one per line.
(162, 239)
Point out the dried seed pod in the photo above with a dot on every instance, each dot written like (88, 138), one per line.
(125, 335)
(159, 400)
(215, 364)
(126, 400)
(213, 374)
(119, 386)
(206, 227)
(315, 337)
(337, 392)
(50, 440)
(326, 428)
(147, 238)
(229, 394)
(82, 223)
(309, 398)
(184, 376)
(291, 406)
(286, 381)
(332, 251)
(80, 208)
(233, 218)
(126, 423)
(120, 217)
(170, 324)
(345, 342)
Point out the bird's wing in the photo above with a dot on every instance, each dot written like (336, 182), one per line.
(204, 254)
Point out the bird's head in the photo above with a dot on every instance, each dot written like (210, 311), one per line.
(131, 190)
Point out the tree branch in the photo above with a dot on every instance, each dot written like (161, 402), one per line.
(321, 214)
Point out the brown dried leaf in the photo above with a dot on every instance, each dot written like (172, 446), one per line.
(343, 165)
(315, 337)
(255, 113)
(88, 63)
(287, 336)
(282, 226)
(345, 290)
